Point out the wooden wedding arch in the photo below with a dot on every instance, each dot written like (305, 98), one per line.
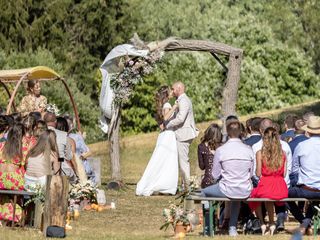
(41, 73)
(230, 90)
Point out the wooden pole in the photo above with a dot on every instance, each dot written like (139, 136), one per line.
(115, 150)
(230, 91)
(56, 202)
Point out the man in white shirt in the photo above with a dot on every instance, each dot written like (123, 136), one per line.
(232, 166)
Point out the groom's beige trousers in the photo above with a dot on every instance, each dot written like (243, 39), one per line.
(184, 164)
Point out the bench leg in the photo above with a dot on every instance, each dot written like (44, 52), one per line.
(316, 221)
(213, 205)
(211, 214)
(14, 209)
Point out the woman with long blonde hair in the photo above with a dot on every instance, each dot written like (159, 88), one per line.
(271, 168)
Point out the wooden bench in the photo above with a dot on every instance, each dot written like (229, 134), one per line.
(214, 204)
(15, 195)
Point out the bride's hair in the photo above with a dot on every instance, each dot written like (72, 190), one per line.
(161, 97)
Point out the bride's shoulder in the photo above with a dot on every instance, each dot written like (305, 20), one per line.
(167, 105)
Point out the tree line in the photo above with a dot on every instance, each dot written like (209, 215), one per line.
(280, 40)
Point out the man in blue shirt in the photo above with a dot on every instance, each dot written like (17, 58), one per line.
(254, 128)
(299, 137)
(306, 159)
(289, 121)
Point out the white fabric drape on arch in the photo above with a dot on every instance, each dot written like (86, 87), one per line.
(110, 65)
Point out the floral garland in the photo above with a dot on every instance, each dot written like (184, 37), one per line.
(52, 108)
(132, 70)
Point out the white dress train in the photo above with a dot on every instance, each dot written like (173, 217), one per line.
(161, 173)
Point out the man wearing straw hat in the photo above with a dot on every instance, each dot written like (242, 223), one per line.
(306, 161)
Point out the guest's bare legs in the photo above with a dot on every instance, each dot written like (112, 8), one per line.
(258, 212)
(270, 210)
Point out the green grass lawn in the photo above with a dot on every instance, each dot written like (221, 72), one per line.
(137, 217)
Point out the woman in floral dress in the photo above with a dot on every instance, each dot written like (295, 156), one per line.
(34, 101)
(13, 154)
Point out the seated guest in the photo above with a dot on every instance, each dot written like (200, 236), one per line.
(42, 160)
(206, 149)
(3, 127)
(254, 127)
(29, 124)
(229, 119)
(36, 115)
(40, 127)
(306, 163)
(82, 151)
(75, 163)
(64, 146)
(280, 210)
(306, 116)
(271, 168)
(34, 101)
(12, 160)
(233, 165)
(289, 121)
(299, 137)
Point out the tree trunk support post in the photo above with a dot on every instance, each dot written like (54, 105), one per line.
(115, 152)
(56, 202)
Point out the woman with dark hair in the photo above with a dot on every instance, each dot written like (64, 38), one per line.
(12, 160)
(62, 125)
(4, 124)
(209, 143)
(34, 101)
(161, 173)
(29, 124)
(271, 165)
(42, 160)
(40, 127)
(82, 152)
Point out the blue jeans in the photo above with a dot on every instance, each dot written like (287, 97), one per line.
(214, 191)
(300, 192)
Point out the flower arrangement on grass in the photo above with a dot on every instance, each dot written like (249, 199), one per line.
(173, 215)
(131, 73)
(79, 192)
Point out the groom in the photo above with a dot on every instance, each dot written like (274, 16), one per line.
(184, 126)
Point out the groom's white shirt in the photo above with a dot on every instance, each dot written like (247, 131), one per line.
(183, 122)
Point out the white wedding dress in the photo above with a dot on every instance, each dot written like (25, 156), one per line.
(161, 173)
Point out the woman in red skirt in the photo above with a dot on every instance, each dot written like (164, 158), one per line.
(271, 168)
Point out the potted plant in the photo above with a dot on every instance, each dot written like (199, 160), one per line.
(176, 216)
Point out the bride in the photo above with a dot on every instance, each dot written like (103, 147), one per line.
(161, 173)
